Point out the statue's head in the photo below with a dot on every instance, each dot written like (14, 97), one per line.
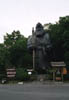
(39, 26)
(39, 29)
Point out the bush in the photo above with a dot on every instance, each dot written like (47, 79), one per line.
(22, 74)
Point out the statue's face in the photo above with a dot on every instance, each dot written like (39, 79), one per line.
(39, 30)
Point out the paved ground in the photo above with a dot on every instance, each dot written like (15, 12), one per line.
(36, 91)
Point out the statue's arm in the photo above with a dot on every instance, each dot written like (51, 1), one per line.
(47, 40)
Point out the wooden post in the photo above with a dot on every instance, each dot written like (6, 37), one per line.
(62, 75)
(53, 76)
(33, 59)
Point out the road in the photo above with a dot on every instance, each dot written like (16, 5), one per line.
(34, 92)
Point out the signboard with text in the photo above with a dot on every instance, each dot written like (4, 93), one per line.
(11, 72)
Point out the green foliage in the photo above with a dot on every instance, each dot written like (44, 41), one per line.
(60, 39)
(2, 61)
(21, 74)
(10, 39)
(2, 55)
(14, 53)
(16, 45)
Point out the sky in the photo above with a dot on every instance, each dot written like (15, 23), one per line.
(22, 15)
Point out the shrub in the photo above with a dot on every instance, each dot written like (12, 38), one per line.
(21, 74)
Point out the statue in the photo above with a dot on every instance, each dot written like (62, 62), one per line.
(39, 43)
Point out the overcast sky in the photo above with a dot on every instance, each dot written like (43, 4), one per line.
(24, 14)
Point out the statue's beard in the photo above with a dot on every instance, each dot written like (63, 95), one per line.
(39, 33)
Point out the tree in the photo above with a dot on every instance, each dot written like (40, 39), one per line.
(10, 39)
(2, 61)
(16, 44)
(60, 38)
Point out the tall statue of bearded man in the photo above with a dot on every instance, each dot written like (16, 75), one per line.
(40, 42)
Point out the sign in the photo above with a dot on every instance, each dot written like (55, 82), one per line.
(64, 71)
(11, 72)
(58, 78)
(29, 73)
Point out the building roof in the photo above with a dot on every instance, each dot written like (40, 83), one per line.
(58, 64)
